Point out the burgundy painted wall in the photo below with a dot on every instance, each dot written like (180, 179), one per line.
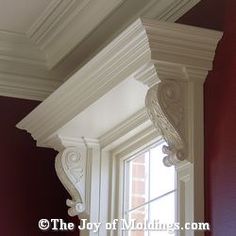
(30, 189)
(220, 116)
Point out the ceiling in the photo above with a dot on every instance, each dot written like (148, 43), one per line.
(19, 16)
(43, 42)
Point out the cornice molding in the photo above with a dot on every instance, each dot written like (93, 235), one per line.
(68, 24)
(172, 61)
(23, 71)
(177, 9)
(144, 42)
(62, 20)
(48, 19)
(96, 78)
(56, 40)
(26, 86)
(16, 47)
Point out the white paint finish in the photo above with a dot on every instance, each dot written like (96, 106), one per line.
(125, 130)
(129, 53)
(18, 16)
(185, 196)
(59, 27)
(110, 110)
(78, 19)
(183, 54)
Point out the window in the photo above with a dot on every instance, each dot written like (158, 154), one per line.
(149, 190)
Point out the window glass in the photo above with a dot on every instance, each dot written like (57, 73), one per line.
(149, 190)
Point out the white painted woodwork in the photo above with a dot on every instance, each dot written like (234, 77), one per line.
(17, 16)
(100, 111)
(42, 42)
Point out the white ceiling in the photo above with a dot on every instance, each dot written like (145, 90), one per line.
(19, 15)
(43, 42)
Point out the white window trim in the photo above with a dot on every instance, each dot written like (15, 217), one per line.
(173, 61)
(184, 178)
(120, 188)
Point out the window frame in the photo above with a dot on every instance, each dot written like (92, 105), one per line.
(133, 146)
(123, 179)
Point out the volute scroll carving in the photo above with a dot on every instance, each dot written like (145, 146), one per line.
(165, 103)
(70, 167)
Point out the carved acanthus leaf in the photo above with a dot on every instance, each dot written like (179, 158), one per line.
(165, 103)
(70, 167)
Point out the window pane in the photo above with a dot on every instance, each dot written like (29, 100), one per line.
(139, 215)
(138, 181)
(163, 210)
(162, 178)
(149, 191)
(160, 233)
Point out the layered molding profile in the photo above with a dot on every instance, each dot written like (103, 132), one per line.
(65, 35)
(172, 61)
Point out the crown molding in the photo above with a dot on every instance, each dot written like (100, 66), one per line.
(172, 61)
(51, 49)
(96, 78)
(16, 47)
(45, 21)
(64, 24)
(115, 23)
(144, 41)
(177, 9)
(26, 87)
(23, 71)
(68, 24)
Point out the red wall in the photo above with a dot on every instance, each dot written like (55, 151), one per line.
(220, 116)
(30, 189)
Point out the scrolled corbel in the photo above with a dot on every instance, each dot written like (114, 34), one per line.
(165, 103)
(173, 155)
(70, 167)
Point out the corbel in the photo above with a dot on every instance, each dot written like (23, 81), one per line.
(73, 166)
(181, 57)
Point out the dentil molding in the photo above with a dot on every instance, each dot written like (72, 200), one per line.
(172, 60)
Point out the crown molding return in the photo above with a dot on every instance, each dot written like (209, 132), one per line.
(173, 61)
